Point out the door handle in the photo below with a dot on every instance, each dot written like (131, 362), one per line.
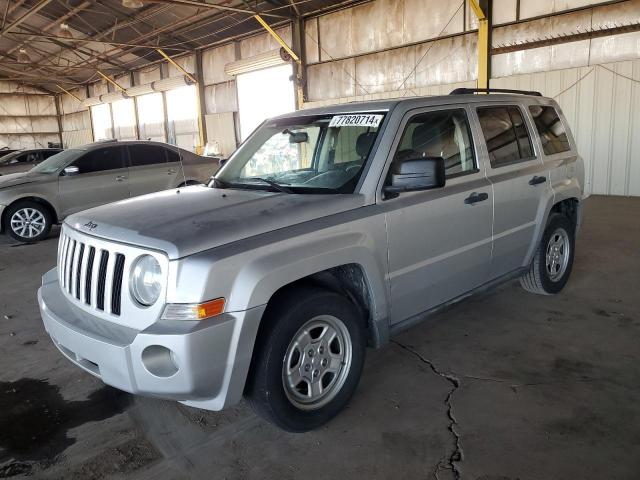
(476, 197)
(171, 171)
(536, 180)
(121, 178)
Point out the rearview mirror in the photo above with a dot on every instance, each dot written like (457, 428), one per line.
(298, 137)
(71, 171)
(416, 174)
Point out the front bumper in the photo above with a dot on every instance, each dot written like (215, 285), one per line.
(202, 364)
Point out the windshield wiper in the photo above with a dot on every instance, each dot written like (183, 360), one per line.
(276, 185)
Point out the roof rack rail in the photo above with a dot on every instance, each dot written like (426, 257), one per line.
(462, 91)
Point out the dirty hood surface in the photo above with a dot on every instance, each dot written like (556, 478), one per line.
(199, 218)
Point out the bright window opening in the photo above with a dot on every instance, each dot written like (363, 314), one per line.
(263, 94)
(182, 113)
(101, 120)
(151, 117)
(124, 119)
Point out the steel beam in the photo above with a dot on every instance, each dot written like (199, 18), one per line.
(213, 6)
(35, 9)
(481, 8)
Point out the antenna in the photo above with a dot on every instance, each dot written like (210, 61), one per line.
(179, 152)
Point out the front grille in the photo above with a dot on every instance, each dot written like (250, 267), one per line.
(91, 275)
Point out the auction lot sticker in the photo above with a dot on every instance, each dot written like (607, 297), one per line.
(359, 120)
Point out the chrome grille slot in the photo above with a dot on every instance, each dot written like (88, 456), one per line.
(78, 271)
(92, 275)
(88, 275)
(116, 292)
(70, 257)
(102, 278)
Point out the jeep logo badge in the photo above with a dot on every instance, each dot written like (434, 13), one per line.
(90, 225)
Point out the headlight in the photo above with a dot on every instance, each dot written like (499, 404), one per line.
(146, 280)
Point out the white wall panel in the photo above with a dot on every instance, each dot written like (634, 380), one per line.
(504, 11)
(187, 62)
(213, 62)
(148, 75)
(68, 104)
(534, 8)
(76, 138)
(603, 111)
(28, 141)
(221, 98)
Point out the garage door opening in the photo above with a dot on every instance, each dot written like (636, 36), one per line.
(182, 114)
(263, 94)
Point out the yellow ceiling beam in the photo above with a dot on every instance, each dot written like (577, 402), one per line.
(277, 37)
(175, 64)
(68, 92)
(113, 82)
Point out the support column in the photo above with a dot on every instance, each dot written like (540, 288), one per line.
(59, 117)
(482, 10)
(202, 106)
(298, 40)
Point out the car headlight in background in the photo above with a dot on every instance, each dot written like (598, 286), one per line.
(146, 280)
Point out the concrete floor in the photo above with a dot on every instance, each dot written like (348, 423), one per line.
(508, 385)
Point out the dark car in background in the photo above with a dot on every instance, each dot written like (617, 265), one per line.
(24, 160)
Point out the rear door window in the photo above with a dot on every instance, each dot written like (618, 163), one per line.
(146, 155)
(172, 155)
(550, 128)
(508, 140)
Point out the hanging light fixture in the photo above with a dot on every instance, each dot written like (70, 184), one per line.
(23, 56)
(64, 31)
(132, 3)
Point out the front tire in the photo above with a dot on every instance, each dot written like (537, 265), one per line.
(309, 359)
(551, 266)
(28, 221)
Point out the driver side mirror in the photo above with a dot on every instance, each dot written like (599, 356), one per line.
(424, 173)
(72, 170)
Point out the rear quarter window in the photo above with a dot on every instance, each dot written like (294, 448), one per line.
(550, 129)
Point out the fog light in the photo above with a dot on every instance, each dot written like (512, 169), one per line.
(159, 361)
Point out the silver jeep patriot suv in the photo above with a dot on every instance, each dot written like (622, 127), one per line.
(328, 230)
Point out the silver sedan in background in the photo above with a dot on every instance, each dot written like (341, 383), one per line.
(89, 176)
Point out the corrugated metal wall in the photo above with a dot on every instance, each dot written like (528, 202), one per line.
(76, 120)
(391, 48)
(595, 80)
(602, 105)
(27, 117)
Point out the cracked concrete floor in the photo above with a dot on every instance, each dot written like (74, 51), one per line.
(507, 385)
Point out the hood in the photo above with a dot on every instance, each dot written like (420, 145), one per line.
(189, 220)
(15, 179)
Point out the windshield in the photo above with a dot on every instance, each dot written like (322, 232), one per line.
(8, 158)
(57, 162)
(314, 154)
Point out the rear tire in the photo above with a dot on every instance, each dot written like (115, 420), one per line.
(551, 265)
(28, 221)
(309, 359)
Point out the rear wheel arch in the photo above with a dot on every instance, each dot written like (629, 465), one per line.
(569, 207)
